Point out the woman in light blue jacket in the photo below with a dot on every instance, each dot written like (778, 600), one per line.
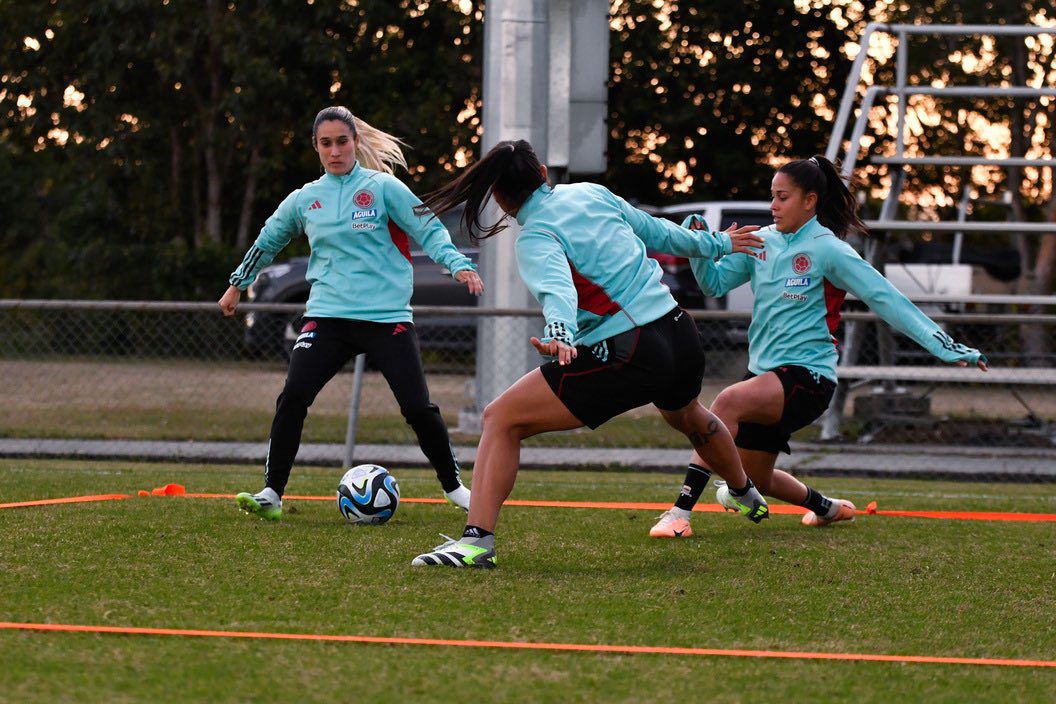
(617, 338)
(799, 278)
(359, 220)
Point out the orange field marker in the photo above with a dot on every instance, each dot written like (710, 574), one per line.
(521, 645)
(623, 505)
(67, 500)
(710, 508)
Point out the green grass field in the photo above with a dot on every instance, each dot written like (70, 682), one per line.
(880, 585)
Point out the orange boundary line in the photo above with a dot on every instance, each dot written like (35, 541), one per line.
(521, 645)
(632, 506)
(971, 515)
(67, 500)
(713, 508)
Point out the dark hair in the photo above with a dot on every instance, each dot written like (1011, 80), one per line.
(837, 209)
(334, 112)
(511, 169)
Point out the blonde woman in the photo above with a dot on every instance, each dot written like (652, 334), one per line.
(358, 218)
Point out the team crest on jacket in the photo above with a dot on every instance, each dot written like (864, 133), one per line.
(363, 198)
(801, 263)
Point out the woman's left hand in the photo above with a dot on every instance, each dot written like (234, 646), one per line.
(564, 353)
(471, 280)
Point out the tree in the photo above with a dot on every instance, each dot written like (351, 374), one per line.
(155, 136)
(705, 101)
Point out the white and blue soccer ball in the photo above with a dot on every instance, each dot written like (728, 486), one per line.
(368, 494)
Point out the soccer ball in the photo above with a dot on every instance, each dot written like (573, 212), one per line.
(368, 494)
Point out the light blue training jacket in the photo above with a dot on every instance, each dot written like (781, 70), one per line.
(799, 281)
(582, 253)
(357, 226)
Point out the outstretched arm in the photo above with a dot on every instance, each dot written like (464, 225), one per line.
(427, 231)
(718, 277)
(665, 236)
(845, 268)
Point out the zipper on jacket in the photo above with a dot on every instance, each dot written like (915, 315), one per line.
(340, 194)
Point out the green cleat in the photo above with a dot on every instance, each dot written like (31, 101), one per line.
(457, 553)
(752, 504)
(265, 505)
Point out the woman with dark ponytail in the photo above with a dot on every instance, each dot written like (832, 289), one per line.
(615, 335)
(359, 220)
(799, 278)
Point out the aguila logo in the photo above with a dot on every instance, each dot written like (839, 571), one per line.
(801, 264)
(364, 199)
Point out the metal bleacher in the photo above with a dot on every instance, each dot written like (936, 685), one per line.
(891, 218)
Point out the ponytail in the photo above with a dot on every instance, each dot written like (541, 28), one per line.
(837, 208)
(511, 170)
(377, 150)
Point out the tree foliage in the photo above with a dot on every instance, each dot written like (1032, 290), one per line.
(703, 99)
(145, 141)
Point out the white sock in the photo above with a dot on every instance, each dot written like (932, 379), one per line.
(459, 497)
(271, 496)
(834, 509)
(680, 513)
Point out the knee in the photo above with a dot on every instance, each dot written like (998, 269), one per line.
(492, 415)
(725, 406)
(497, 417)
(294, 398)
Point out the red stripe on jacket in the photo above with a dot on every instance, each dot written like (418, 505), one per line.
(833, 302)
(592, 298)
(399, 238)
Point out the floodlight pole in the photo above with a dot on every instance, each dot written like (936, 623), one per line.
(531, 92)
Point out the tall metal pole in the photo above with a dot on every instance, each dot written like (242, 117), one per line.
(545, 80)
(516, 100)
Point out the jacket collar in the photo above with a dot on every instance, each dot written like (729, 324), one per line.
(343, 178)
(533, 204)
(809, 226)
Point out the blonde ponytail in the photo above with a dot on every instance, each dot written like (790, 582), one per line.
(379, 150)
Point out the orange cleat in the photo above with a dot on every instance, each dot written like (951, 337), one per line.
(670, 526)
(846, 512)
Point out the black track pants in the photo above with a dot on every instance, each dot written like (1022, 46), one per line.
(324, 346)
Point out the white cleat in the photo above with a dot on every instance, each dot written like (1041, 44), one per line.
(459, 497)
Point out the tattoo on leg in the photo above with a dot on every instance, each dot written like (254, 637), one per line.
(698, 440)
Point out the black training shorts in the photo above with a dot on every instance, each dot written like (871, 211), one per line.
(660, 363)
(807, 395)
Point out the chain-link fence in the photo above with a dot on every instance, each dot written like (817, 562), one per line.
(180, 371)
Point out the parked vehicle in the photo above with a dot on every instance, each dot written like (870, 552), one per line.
(679, 276)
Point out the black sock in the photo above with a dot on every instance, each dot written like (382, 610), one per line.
(818, 503)
(475, 532)
(696, 479)
(743, 490)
